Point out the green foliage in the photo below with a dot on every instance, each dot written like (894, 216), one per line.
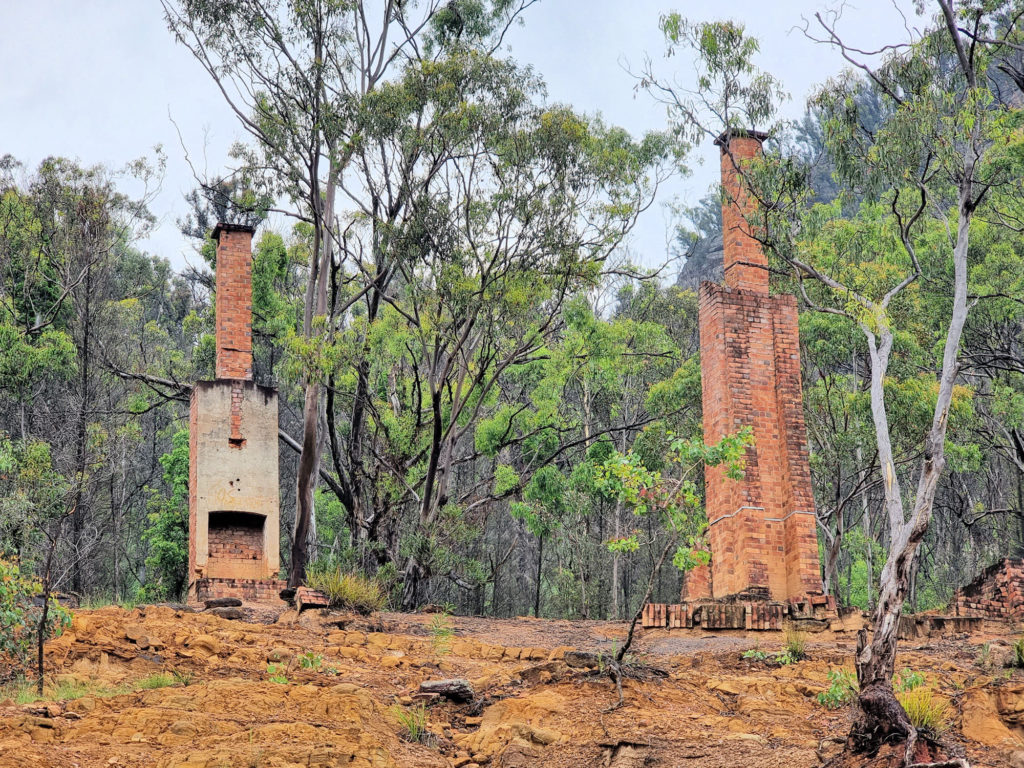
(311, 660)
(349, 590)
(755, 654)
(841, 690)
(167, 534)
(276, 674)
(1017, 660)
(927, 711)
(673, 496)
(413, 722)
(156, 680)
(441, 634)
(907, 680)
(796, 644)
(20, 617)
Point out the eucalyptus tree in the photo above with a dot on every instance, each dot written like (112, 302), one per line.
(512, 208)
(932, 159)
(297, 76)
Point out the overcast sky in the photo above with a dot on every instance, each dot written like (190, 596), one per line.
(100, 81)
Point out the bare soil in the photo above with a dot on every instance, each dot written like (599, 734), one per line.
(691, 700)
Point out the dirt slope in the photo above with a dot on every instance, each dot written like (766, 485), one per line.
(696, 704)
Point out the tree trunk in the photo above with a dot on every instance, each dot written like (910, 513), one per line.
(540, 568)
(309, 458)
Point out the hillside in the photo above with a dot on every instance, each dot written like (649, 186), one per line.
(692, 700)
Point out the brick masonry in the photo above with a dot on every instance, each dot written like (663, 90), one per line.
(754, 615)
(234, 514)
(234, 302)
(262, 590)
(998, 593)
(762, 531)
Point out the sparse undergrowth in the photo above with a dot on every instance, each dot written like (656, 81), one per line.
(841, 690)
(794, 650)
(413, 722)
(24, 691)
(928, 711)
(352, 591)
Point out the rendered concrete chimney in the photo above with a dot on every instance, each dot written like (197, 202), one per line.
(234, 301)
(746, 267)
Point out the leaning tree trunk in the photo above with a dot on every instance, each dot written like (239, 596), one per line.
(881, 713)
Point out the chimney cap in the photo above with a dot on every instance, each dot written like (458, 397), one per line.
(739, 133)
(224, 227)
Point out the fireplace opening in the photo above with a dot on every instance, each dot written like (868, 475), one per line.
(236, 545)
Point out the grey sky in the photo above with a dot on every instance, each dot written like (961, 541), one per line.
(99, 81)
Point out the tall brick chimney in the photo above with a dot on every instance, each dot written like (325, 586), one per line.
(234, 513)
(761, 529)
(234, 301)
(746, 267)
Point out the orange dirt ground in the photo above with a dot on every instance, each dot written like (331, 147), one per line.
(697, 703)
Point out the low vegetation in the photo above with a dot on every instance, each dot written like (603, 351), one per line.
(842, 689)
(349, 590)
(927, 710)
(413, 722)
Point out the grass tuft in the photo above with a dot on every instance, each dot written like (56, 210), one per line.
(926, 710)
(413, 722)
(348, 590)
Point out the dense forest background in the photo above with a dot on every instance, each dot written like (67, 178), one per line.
(484, 341)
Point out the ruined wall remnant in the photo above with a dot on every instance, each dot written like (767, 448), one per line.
(234, 515)
(998, 593)
(762, 528)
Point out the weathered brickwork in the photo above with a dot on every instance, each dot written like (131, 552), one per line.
(746, 266)
(234, 301)
(234, 514)
(998, 593)
(263, 590)
(762, 528)
(235, 545)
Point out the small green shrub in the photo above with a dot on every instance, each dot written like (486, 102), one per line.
(159, 680)
(310, 660)
(984, 659)
(276, 672)
(926, 710)
(796, 645)
(351, 591)
(186, 678)
(413, 722)
(1017, 660)
(441, 633)
(841, 690)
(20, 617)
(907, 680)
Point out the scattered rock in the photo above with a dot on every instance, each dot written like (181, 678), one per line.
(280, 656)
(228, 612)
(310, 598)
(455, 689)
(204, 644)
(222, 602)
(582, 660)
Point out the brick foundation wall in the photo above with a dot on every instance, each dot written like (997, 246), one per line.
(998, 593)
(234, 301)
(261, 590)
(762, 532)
